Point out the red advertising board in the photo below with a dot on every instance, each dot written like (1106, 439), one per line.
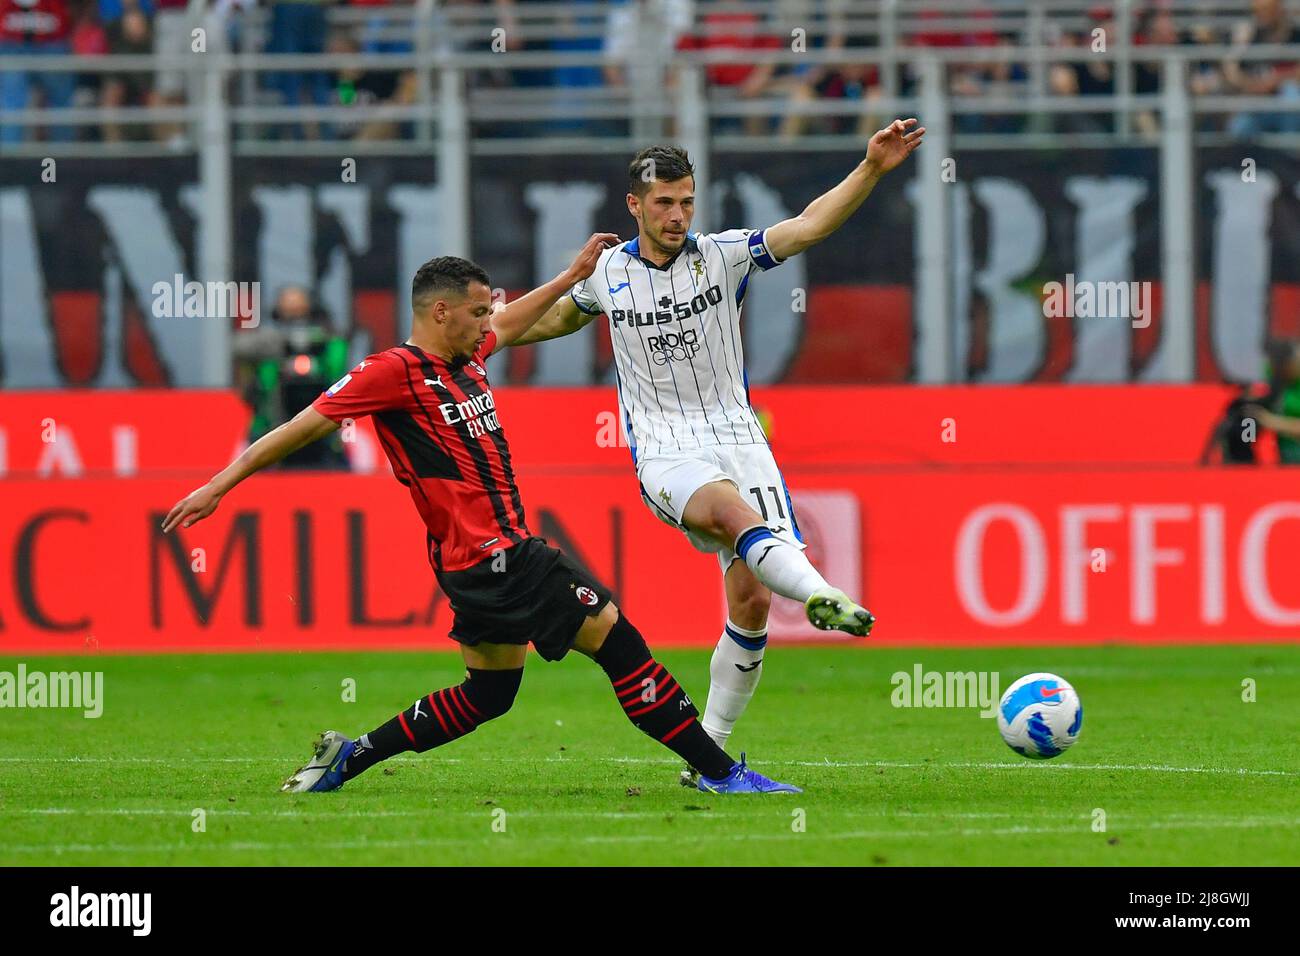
(152, 432)
(981, 555)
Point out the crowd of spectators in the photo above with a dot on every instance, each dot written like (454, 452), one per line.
(1269, 23)
(633, 38)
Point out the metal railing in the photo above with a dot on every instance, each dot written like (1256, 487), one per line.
(502, 56)
(456, 114)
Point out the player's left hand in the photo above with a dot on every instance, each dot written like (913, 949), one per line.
(893, 144)
(195, 506)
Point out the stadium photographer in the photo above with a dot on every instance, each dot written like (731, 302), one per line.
(1279, 410)
(283, 366)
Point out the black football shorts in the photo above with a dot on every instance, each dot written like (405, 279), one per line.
(530, 592)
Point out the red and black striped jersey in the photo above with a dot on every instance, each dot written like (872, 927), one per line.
(437, 422)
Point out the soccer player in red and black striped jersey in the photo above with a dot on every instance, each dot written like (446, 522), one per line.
(435, 415)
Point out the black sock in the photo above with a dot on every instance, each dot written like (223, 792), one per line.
(437, 719)
(655, 702)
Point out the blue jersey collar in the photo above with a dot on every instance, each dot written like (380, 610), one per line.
(633, 248)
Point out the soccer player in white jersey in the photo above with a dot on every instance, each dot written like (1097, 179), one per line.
(674, 299)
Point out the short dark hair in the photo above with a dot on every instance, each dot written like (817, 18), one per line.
(445, 274)
(666, 163)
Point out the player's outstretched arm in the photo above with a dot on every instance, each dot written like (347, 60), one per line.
(886, 151)
(303, 429)
(563, 318)
(517, 317)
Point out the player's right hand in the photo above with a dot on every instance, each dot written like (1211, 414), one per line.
(195, 506)
(890, 146)
(585, 262)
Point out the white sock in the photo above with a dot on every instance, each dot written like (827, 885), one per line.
(778, 564)
(733, 675)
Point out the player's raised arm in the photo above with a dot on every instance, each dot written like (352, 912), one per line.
(304, 428)
(517, 317)
(886, 151)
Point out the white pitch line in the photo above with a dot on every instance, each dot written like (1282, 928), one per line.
(169, 760)
(485, 813)
(1030, 765)
(315, 846)
(1035, 766)
(704, 813)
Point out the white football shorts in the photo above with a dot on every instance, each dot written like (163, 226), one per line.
(668, 481)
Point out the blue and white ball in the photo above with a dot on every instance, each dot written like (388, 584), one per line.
(1040, 716)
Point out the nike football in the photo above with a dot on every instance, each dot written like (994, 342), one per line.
(1040, 716)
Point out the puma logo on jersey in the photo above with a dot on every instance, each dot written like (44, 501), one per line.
(434, 382)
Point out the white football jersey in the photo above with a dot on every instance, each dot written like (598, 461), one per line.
(676, 334)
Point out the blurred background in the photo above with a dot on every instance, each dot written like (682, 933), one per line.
(1042, 387)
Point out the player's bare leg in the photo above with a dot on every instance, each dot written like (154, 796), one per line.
(494, 657)
(718, 511)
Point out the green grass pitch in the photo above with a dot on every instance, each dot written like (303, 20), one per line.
(1185, 771)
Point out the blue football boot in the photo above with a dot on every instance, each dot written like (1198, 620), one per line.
(743, 780)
